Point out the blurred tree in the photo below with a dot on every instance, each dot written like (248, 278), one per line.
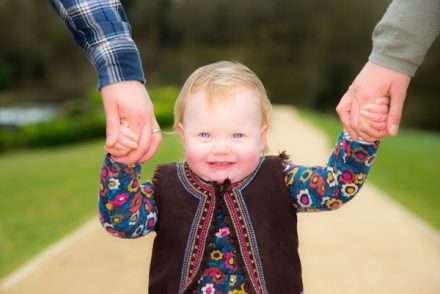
(38, 59)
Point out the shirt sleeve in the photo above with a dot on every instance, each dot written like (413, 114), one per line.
(127, 209)
(102, 30)
(328, 187)
(405, 33)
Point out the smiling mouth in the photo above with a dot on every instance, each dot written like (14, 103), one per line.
(220, 164)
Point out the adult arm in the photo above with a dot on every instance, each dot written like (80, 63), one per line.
(400, 42)
(127, 209)
(328, 187)
(102, 30)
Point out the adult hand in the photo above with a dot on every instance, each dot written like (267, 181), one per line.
(374, 81)
(129, 101)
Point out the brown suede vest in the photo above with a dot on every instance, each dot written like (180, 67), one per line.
(268, 230)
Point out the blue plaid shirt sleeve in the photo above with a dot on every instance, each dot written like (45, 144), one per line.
(102, 29)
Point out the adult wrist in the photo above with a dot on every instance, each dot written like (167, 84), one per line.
(393, 63)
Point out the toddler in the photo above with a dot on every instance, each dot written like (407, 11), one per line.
(225, 217)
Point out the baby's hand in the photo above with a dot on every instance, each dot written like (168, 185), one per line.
(374, 118)
(127, 140)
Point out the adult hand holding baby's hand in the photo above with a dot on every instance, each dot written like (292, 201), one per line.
(129, 101)
(127, 141)
(374, 81)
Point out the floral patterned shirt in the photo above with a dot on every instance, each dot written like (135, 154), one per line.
(128, 209)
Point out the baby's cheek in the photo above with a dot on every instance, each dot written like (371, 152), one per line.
(250, 161)
(192, 151)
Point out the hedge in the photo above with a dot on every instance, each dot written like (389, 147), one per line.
(80, 125)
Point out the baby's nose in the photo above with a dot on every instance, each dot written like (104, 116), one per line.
(221, 146)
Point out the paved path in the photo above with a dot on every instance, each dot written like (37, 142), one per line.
(372, 245)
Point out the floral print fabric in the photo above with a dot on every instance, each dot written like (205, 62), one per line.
(321, 188)
(127, 208)
(222, 273)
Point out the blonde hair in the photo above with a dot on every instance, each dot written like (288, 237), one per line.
(219, 80)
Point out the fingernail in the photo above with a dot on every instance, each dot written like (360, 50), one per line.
(394, 129)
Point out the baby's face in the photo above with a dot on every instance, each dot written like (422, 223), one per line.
(225, 140)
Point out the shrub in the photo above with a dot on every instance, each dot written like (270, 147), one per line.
(64, 130)
(83, 120)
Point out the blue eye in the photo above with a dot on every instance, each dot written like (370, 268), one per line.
(205, 135)
(237, 135)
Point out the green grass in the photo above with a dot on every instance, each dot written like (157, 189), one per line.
(407, 167)
(47, 193)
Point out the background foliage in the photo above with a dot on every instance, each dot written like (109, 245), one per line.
(80, 120)
(307, 52)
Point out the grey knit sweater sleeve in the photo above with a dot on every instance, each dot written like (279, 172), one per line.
(405, 33)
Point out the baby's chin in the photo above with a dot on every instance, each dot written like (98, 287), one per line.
(220, 176)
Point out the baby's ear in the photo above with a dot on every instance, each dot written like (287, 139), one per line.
(179, 130)
(263, 135)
